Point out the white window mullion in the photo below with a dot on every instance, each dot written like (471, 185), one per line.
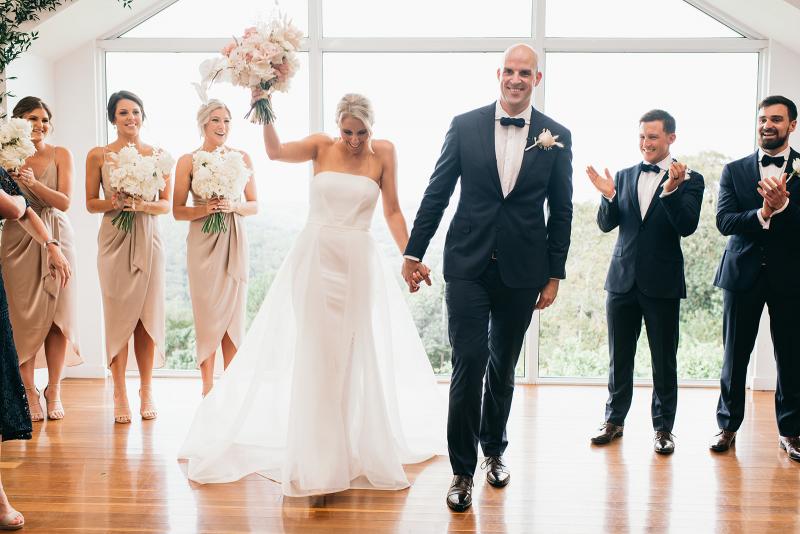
(315, 29)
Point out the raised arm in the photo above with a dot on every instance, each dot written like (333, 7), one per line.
(731, 218)
(293, 151)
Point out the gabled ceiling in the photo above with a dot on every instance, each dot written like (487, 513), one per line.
(81, 21)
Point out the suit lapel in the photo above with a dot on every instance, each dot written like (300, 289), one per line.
(530, 156)
(752, 187)
(633, 190)
(791, 183)
(486, 133)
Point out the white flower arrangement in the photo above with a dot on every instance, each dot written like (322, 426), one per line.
(15, 143)
(252, 61)
(795, 169)
(138, 176)
(545, 141)
(218, 174)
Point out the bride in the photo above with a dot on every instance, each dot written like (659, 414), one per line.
(331, 388)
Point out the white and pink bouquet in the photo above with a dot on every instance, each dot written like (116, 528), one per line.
(138, 176)
(15, 143)
(218, 174)
(263, 60)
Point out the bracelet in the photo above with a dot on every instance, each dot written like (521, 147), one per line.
(55, 242)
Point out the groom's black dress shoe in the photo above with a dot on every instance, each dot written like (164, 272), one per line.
(498, 474)
(459, 496)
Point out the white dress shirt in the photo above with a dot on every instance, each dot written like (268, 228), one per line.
(768, 172)
(648, 182)
(509, 147)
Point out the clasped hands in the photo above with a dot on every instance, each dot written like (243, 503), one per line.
(221, 205)
(125, 202)
(25, 177)
(414, 273)
(774, 193)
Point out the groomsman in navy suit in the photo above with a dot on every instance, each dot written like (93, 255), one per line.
(654, 204)
(503, 256)
(759, 208)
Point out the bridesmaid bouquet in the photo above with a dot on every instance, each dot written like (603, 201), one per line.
(252, 61)
(218, 174)
(15, 143)
(138, 176)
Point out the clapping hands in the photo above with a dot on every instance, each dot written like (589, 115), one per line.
(677, 175)
(604, 184)
(774, 193)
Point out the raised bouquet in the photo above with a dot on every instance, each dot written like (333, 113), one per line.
(263, 60)
(15, 143)
(219, 174)
(138, 176)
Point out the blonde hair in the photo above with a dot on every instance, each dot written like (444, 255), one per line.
(205, 111)
(356, 106)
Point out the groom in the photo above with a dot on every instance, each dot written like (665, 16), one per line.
(503, 257)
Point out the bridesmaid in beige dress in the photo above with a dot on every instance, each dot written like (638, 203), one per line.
(43, 315)
(130, 265)
(217, 262)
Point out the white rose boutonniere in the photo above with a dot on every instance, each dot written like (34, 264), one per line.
(546, 141)
(795, 169)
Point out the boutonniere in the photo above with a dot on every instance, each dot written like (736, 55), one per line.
(545, 141)
(795, 169)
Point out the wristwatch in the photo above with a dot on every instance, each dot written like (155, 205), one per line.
(55, 242)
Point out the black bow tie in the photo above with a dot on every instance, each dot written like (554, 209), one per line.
(508, 121)
(646, 167)
(767, 160)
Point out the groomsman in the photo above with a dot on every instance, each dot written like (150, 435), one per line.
(502, 257)
(654, 204)
(759, 208)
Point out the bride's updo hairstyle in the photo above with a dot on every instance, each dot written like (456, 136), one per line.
(114, 99)
(205, 111)
(359, 107)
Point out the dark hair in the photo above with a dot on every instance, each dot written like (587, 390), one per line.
(778, 99)
(28, 104)
(114, 99)
(667, 120)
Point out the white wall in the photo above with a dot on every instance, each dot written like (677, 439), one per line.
(34, 77)
(782, 78)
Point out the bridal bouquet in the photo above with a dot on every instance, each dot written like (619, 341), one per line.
(138, 176)
(218, 174)
(263, 60)
(15, 143)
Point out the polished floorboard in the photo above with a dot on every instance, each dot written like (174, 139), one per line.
(86, 474)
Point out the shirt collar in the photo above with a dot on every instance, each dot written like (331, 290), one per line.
(664, 163)
(499, 112)
(784, 153)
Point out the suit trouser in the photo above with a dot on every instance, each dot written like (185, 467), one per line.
(742, 313)
(624, 313)
(487, 324)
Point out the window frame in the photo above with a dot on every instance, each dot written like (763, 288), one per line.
(317, 45)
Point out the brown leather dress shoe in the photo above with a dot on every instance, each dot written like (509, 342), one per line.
(498, 474)
(608, 433)
(723, 441)
(664, 442)
(791, 446)
(459, 496)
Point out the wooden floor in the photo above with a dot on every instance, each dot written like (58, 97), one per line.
(86, 474)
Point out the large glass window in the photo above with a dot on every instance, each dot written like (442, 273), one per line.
(600, 97)
(630, 18)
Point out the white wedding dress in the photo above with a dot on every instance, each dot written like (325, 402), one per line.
(331, 388)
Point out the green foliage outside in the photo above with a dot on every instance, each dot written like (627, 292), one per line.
(573, 337)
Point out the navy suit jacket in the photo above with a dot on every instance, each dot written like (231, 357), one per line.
(648, 250)
(530, 248)
(750, 246)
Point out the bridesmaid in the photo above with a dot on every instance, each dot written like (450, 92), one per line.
(217, 263)
(44, 317)
(15, 419)
(130, 265)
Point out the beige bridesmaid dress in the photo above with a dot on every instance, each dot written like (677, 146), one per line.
(218, 272)
(35, 299)
(131, 267)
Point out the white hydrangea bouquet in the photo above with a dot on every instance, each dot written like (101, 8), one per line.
(219, 174)
(15, 143)
(138, 176)
(263, 60)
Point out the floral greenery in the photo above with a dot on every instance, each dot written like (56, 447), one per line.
(13, 40)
